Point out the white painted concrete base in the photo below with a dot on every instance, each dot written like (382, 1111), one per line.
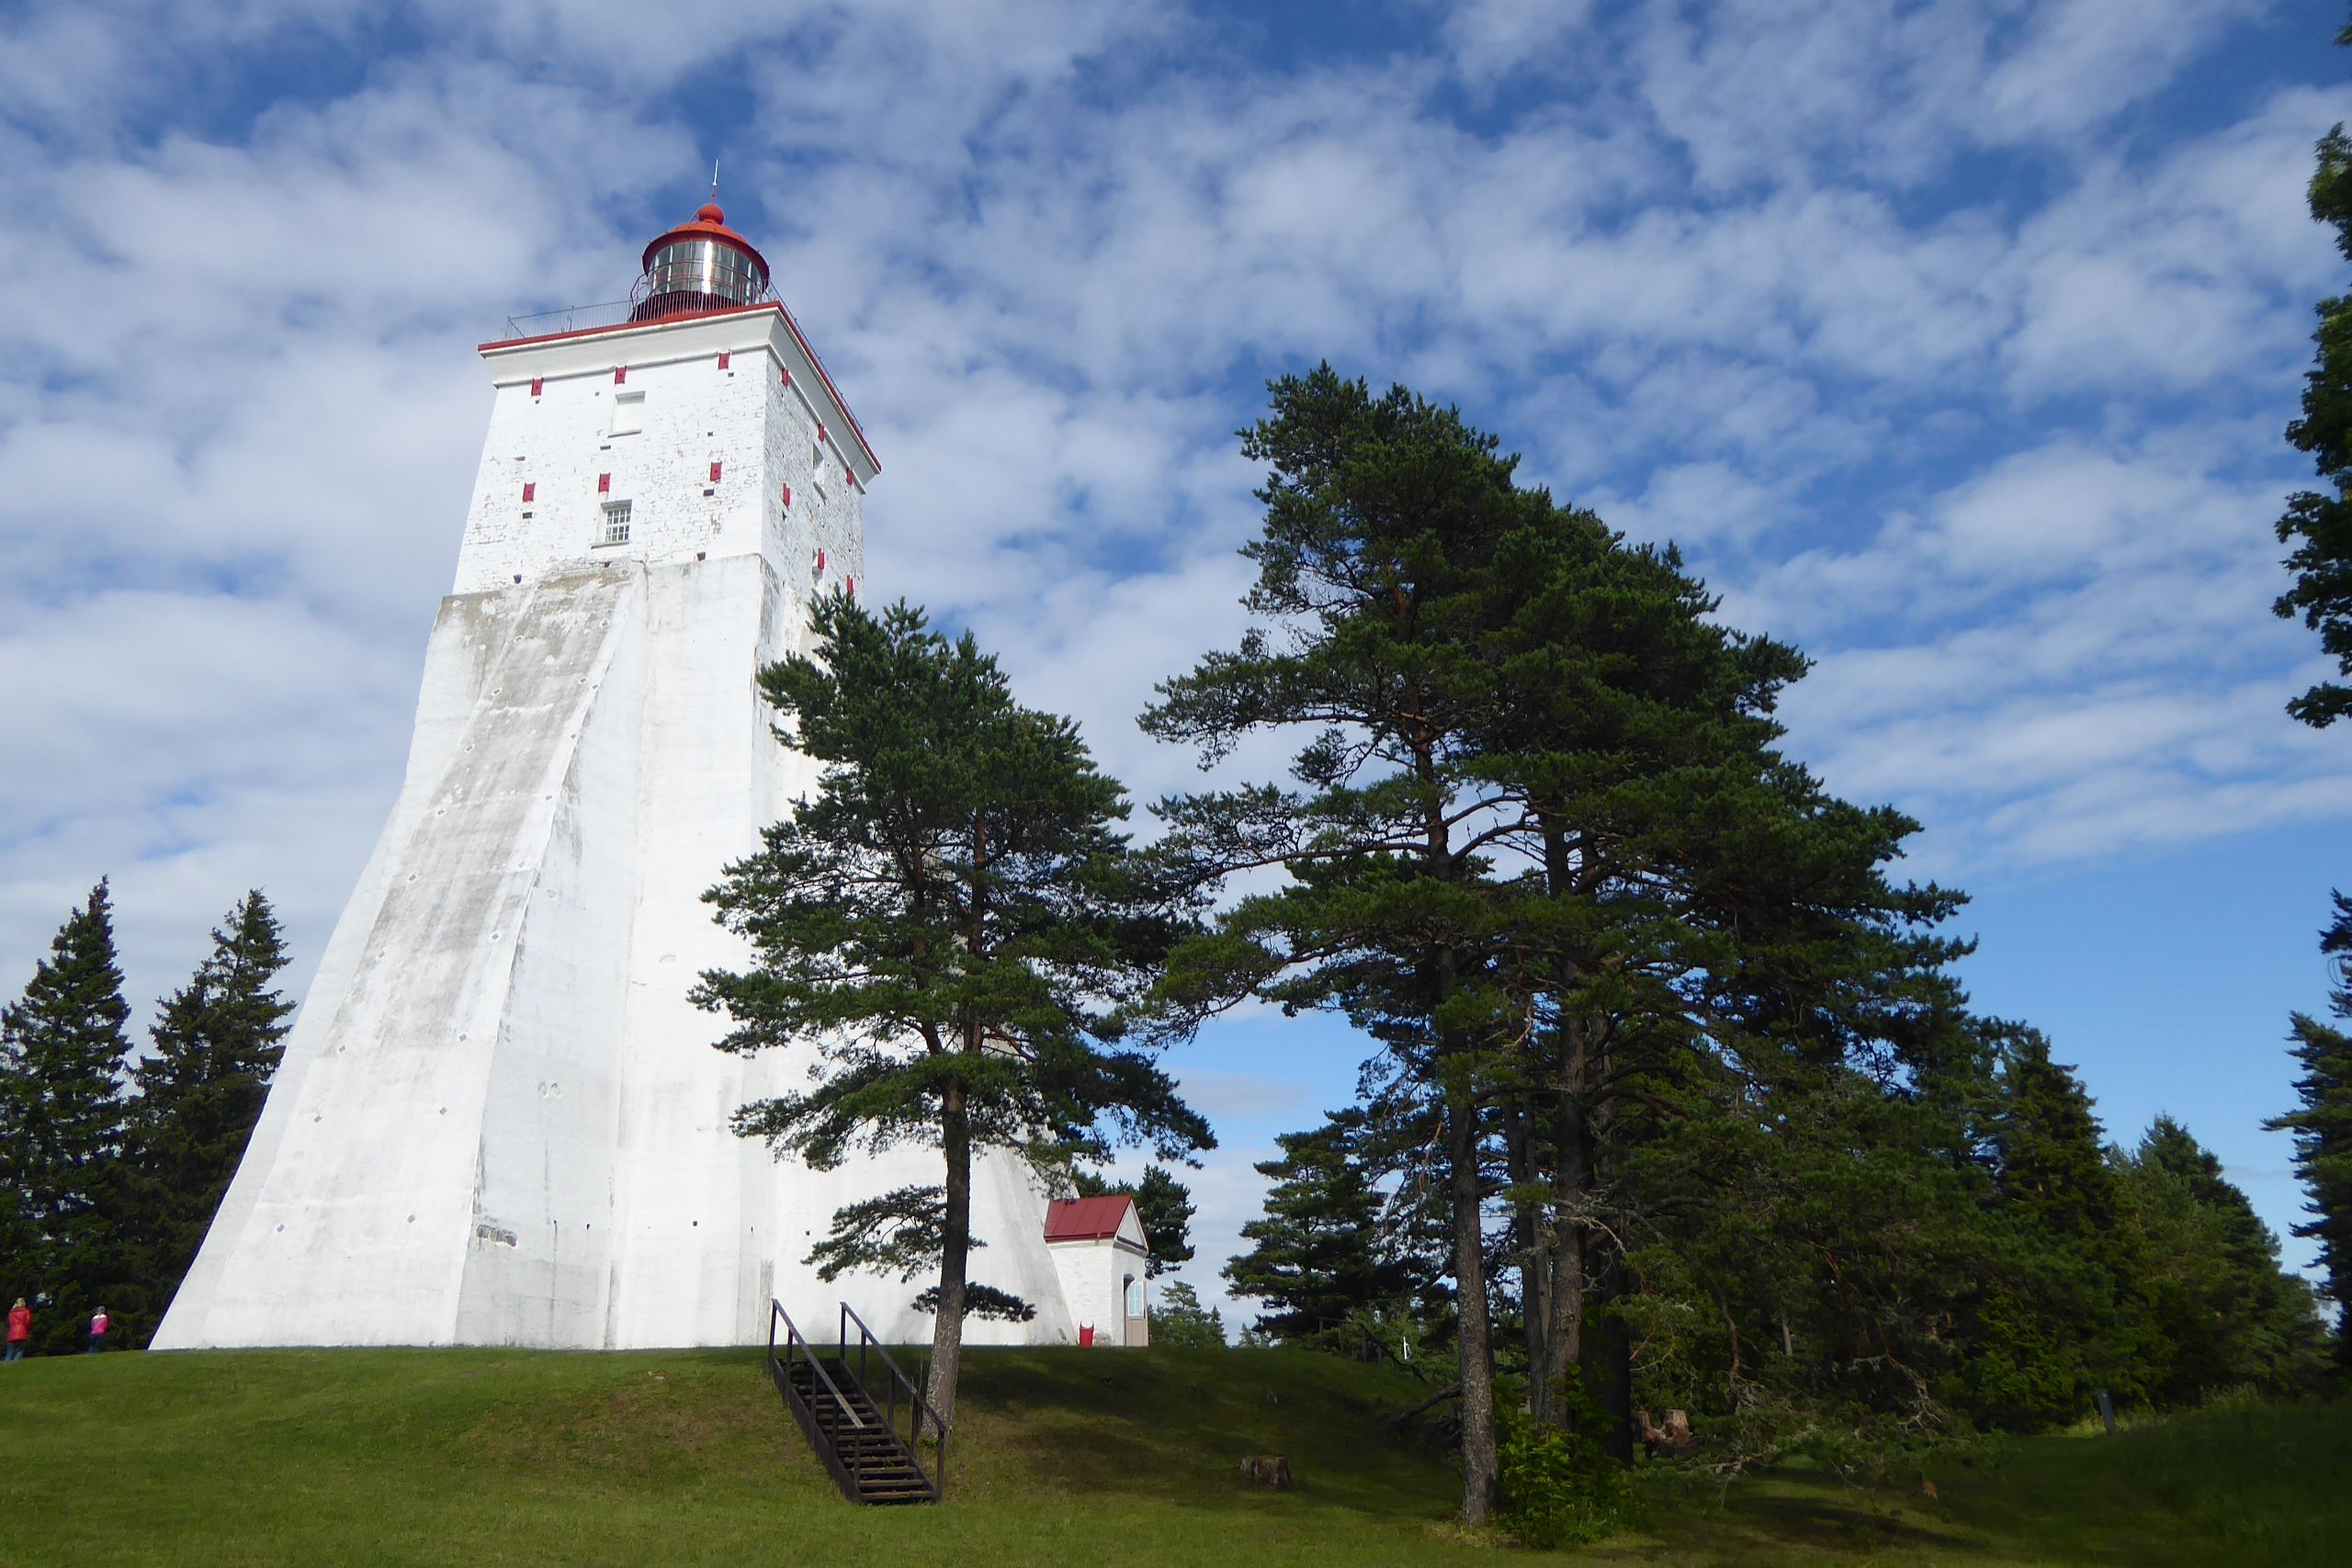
(498, 1121)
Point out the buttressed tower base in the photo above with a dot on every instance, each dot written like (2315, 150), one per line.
(498, 1121)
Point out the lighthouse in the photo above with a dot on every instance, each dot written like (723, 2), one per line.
(498, 1120)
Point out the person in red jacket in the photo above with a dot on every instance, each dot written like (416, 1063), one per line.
(21, 1328)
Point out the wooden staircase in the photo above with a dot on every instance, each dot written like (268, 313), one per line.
(860, 1441)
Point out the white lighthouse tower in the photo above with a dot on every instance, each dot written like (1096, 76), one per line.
(498, 1120)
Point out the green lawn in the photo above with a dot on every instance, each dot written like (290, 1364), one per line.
(482, 1458)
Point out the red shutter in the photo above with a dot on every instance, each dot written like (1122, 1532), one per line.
(852, 588)
(786, 371)
(530, 490)
(788, 495)
(620, 374)
(820, 563)
(604, 484)
(537, 383)
(821, 435)
(848, 478)
(714, 472)
(725, 358)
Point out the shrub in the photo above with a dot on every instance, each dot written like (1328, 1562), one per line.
(1559, 1488)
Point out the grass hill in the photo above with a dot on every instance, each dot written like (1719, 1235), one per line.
(486, 1458)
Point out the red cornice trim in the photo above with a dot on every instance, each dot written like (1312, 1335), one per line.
(777, 305)
(634, 326)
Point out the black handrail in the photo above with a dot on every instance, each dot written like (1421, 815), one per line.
(850, 1478)
(919, 1410)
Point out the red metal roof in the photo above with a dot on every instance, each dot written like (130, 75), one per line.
(1085, 1219)
(707, 223)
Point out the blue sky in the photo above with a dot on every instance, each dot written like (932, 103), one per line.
(1952, 339)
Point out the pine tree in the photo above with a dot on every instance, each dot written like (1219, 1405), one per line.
(1539, 849)
(1318, 1259)
(2319, 525)
(62, 1052)
(1801, 1256)
(1378, 513)
(955, 921)
(217, 1044)
(1163, 1207)
(1702, 923)
(2323, 1129)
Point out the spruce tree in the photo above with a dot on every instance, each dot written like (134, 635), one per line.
(2229, 1316)
(1318, 1258)
(217, 1044)
(62, 1052)
(2065, 1310)
(954, 922)
(2322, 1126)
(1179, 1320)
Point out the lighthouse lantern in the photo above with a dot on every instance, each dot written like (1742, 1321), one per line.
(701, 264)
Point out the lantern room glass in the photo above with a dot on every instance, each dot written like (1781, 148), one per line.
(697, 274)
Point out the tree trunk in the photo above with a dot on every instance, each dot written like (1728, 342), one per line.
(948, 1328)
(1607, 1359)
(1565, 1299)
(1478, 1463)
(1533, 1236)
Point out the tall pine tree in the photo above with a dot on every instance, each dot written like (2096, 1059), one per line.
(956, 923)
(1379, 513)
(2318, 524)
(1541, 848)
(217, 1044)
(62, 1111)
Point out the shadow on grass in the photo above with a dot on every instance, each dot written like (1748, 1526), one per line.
(1173, 1426)
(1798, 1512)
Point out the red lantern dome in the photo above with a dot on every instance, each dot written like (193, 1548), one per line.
(701, 264)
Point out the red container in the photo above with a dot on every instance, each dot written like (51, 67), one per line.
(1086, 1333)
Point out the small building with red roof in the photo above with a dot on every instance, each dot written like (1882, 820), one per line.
(1101, 1252)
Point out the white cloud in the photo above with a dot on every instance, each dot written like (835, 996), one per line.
(2078, 61)
(1491, 40)
(1937, 357)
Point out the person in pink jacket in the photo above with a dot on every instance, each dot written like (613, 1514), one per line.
(21, 1328)
(97, 1331)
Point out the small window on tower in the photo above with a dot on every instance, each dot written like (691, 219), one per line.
(628, 414)
(616, 523)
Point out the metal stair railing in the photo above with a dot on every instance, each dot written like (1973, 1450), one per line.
(920, 1412)
(849, 1477)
